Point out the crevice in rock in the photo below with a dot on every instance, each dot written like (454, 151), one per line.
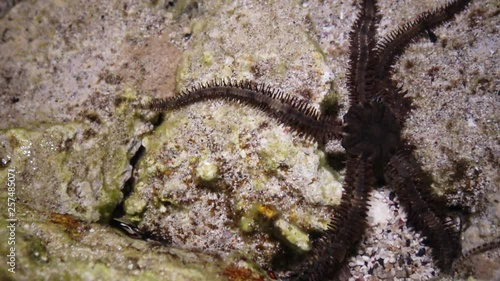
(129, 184)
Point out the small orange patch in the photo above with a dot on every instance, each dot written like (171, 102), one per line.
(236, 273)
(267, 211)
(71, 225)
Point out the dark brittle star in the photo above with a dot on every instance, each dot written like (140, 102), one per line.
(370, 134)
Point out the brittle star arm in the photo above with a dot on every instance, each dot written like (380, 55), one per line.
(493, 244)
(301, 116)
(392, 46)
(405, 177)
(331, 251)
(362, 44)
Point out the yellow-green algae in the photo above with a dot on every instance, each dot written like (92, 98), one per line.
(293, 234)
(207, 171)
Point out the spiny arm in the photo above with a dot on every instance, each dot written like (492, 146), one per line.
(362, 45)
(332, 250)
(406, 179)
(493, 244)
(289, 110)
(392, 46)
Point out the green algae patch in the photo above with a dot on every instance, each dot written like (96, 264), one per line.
(124, 99)
(60, 169)
(329, 181)
(134, 204)
(38, 251)
(208, 59)
(247, 224)
(293, 235)
(274, 152)
(331, 102)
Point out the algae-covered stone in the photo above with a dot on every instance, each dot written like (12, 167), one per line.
(50, 252)
(247, 224)
(217, 168)
(293, 235)
(50, 160)
(134, 204)
(207, 171)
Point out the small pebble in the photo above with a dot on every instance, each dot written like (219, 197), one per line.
(408, 260)
(186, 31)
(420, 252)
(382, 275)
(392, 195)
(401, 260)
(401, 273)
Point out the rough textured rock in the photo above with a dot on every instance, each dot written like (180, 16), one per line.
(50, 160)
(196, 184)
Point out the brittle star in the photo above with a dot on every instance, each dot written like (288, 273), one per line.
(370, 133)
